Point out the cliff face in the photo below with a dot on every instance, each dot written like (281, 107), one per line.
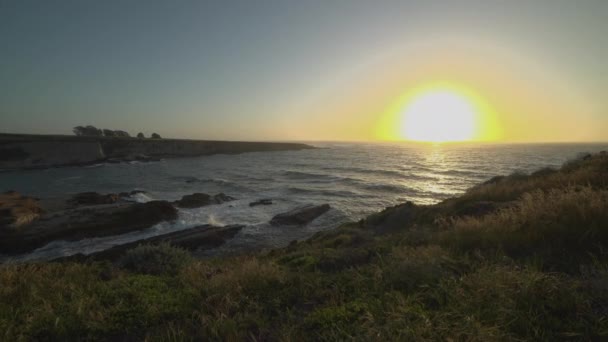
(35, 154)
(29, 151)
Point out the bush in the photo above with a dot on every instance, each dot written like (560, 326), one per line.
(162, 259)
(559, 226)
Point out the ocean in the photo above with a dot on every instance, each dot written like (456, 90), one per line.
(355, 179)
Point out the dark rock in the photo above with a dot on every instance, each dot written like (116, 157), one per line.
(144, 158)
(17, 210)
(264, 201)
(300, 216)
(93, 198)
(198, 200)
(393, 218)
(197, 238)
(86, 222)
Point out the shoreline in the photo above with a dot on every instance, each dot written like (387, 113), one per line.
(31, 152)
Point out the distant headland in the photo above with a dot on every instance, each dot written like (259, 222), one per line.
(29, 151)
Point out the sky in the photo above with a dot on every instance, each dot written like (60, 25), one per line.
(300, 70)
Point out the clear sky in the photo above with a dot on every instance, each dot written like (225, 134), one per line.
(299, 70)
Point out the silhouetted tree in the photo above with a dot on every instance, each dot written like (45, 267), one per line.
(109, 132)
(87, 131)
(155, 136)
(122, 134)
(140, 135)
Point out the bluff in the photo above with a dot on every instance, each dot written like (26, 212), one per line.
(42, 151)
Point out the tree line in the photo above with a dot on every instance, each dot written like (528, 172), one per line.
(92, 131)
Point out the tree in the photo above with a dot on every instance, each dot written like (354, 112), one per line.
(155, 136)
(122, 134)
(140, 135)
(109, 132)
(89, 130)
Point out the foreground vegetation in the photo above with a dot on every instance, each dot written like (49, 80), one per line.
(523, 257)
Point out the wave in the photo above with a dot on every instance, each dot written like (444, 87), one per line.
(387, 188)
(392, 173)
(319, 177)
(333, 193)
(192, 179)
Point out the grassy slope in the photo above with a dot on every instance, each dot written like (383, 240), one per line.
(534, 267)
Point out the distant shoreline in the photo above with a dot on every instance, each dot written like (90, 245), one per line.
(30, 151)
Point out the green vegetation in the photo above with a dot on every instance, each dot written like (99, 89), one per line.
(518, 258)
(155, 259)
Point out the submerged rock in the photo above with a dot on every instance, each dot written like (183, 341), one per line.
(264, 201)
(198, 200)
(86, 222)
(17, 210)
(197, 238)
(93, 198)
(300, 216)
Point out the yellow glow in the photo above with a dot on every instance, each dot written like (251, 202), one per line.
(439, 112)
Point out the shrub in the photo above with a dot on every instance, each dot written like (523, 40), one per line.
(156, 259)
(559, 226)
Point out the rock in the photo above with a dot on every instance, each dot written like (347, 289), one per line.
(394, 218)
(17, 210)
(198, 200)
(264, 201)
(197, 238)
(93, 198)
(86, 222)
(144, 158)
(300, 216)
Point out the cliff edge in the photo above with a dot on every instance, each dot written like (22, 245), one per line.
(42, 151)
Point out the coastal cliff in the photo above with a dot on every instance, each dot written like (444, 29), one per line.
(41, 151)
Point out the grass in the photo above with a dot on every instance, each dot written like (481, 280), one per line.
(535, 269)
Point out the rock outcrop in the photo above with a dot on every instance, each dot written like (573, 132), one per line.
(300, 216)
(17, 210)
(264, 201)
(41, 154)
(198, 238)
(198, 200)
(93, 198)
(393, 218)
(86, 222)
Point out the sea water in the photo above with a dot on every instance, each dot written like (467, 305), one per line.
(355, 179)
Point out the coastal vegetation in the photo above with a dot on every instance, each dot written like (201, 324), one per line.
(92, 131)
(519, 257)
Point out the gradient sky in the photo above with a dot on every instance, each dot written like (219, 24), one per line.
(298, 70)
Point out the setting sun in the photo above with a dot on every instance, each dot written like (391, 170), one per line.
(439, 112)
(439, 116)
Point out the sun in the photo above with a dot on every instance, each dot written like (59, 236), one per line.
(440, 115)
(439, 112)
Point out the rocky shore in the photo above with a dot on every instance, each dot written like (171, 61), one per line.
(516, 258)
(28, 223)
(43, 151)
